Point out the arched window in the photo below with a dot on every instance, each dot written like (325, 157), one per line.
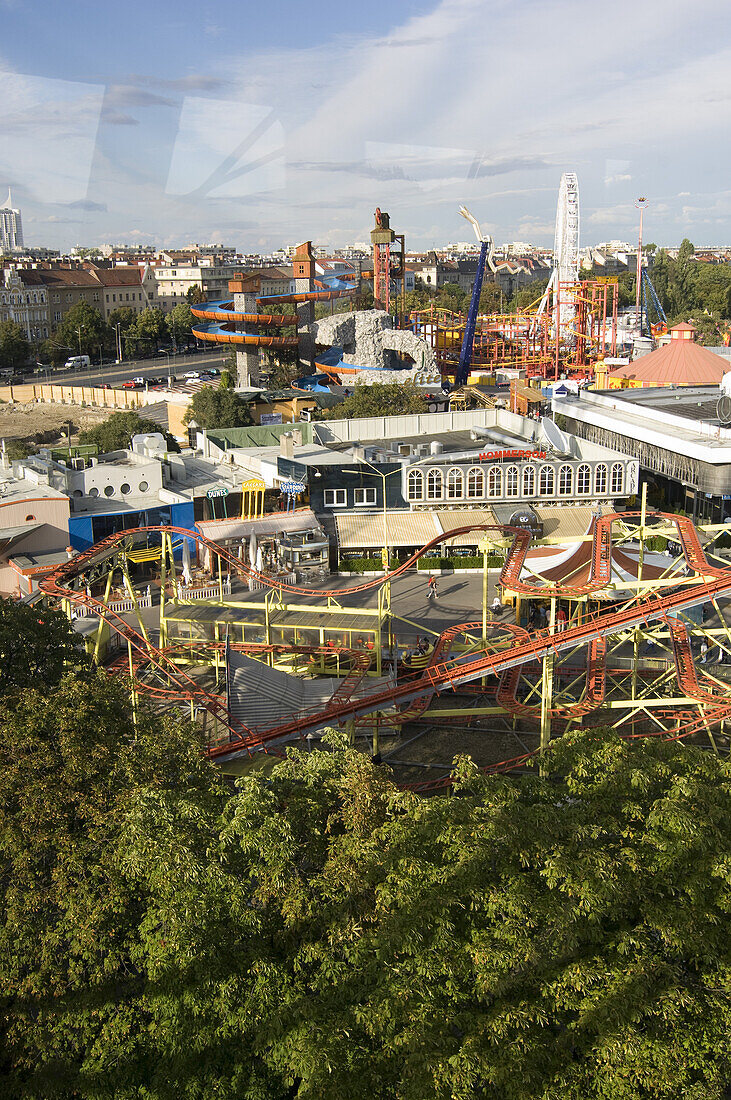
(565, 481)
(434, 485)
(583, 480)
(455, 485)
(495, 482)
(475, 484)
(511, 481)
(546, 481)
(415, 486)
(600, 479)
(617, 478)
(529, 481)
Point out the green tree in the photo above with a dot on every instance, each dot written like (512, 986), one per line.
(195, 295)
(179, 321)
(218, 408)
(14, 346)
(115, 433)
(36, 645)
(378, 399)
(147, 332)
(82, 947)
(81, 332)
(491, 298)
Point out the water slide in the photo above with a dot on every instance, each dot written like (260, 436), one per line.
(221, 318)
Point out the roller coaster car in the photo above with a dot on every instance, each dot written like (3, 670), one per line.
(414, 664)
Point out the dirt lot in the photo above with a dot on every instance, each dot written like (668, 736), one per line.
(35, 422)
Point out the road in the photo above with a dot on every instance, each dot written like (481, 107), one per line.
(113, 373)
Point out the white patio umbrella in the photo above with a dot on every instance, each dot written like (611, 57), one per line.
(252, 550)
(259, 559)
(187, 575)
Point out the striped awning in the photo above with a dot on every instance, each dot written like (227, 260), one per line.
(357, 531)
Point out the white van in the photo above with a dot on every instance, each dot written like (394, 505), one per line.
(77, 362)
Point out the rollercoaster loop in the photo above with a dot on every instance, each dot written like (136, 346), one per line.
(443, 671)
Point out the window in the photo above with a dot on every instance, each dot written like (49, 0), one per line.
(511, 481)
(565, 481)
(29, 519)
(93, 492)
(475, 484)
(336, 498)
(109, 491)
(617, 478)
(600, 479)
(494, 482)
(455, 485)
(434, 485)
(415, 487)
(143, 486)
(583, 480)
(529, 481)
(365, 496)
(125, 488)
(546, 482)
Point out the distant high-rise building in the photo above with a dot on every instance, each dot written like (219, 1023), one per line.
(11, 227)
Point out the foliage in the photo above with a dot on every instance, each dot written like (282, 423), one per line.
(178, 322)
(460, 561)
(146, 333)
(195, 295)
(36, 645)
(115, 433)
(14, 346)
(378, 399)
(18, 448)
(366, 564)
(321, 934)
(81, 332)
(218, 408)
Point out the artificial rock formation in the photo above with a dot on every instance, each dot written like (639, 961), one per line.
(369, 340)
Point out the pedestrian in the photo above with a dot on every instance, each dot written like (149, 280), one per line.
(497, 607)
(561, 618)
(431, 592)
(542, 616)
(704, 651)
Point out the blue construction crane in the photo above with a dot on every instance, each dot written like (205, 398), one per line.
(648, 290)
(468, 340)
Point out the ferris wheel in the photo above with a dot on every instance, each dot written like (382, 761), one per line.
(565, 272)
(566, 239)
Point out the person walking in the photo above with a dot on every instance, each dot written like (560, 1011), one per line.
(704, 651)
(561, 618)
(431, 591)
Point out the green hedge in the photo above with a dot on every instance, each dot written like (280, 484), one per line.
(460, 561)
(365, 565)
(657, 543)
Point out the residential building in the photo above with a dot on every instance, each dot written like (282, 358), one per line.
(24, 299)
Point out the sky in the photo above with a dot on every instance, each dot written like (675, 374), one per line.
(261, 124)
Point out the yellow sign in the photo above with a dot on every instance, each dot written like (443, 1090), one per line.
(384, 558)
(253, 485)
(608, 280)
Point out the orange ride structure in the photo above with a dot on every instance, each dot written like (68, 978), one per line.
(246, 319)
(529, 339)
(615, 647)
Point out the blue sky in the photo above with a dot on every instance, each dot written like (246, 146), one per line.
(260, 124)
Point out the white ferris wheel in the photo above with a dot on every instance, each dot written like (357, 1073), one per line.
(565, 272)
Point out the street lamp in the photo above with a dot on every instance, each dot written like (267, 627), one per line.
(119, 341)
(385, 556)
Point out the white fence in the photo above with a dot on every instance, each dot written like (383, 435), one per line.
(210, 592)
(144, 599)
(286, 578)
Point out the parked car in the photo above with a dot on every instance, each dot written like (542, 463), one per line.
(129, 385)
(191, 375)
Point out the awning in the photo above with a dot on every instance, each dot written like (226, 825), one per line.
(451, 519)
(304, 519)
(10, 534)
(356, 531)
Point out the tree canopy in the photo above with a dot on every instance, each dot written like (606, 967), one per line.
(218, 407)
(115, 433)
(14, 346)
(81, 332)
(378, 399)
(322, 934)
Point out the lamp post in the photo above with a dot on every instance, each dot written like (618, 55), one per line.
(119, 341)
(385, 556)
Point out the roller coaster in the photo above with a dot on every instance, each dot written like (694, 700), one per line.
(517, 669)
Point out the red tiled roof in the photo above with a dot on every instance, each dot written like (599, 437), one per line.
(679, 363)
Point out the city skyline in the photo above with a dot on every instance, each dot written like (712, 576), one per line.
(219, 123)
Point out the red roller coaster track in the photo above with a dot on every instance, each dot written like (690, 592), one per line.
(444, 672)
